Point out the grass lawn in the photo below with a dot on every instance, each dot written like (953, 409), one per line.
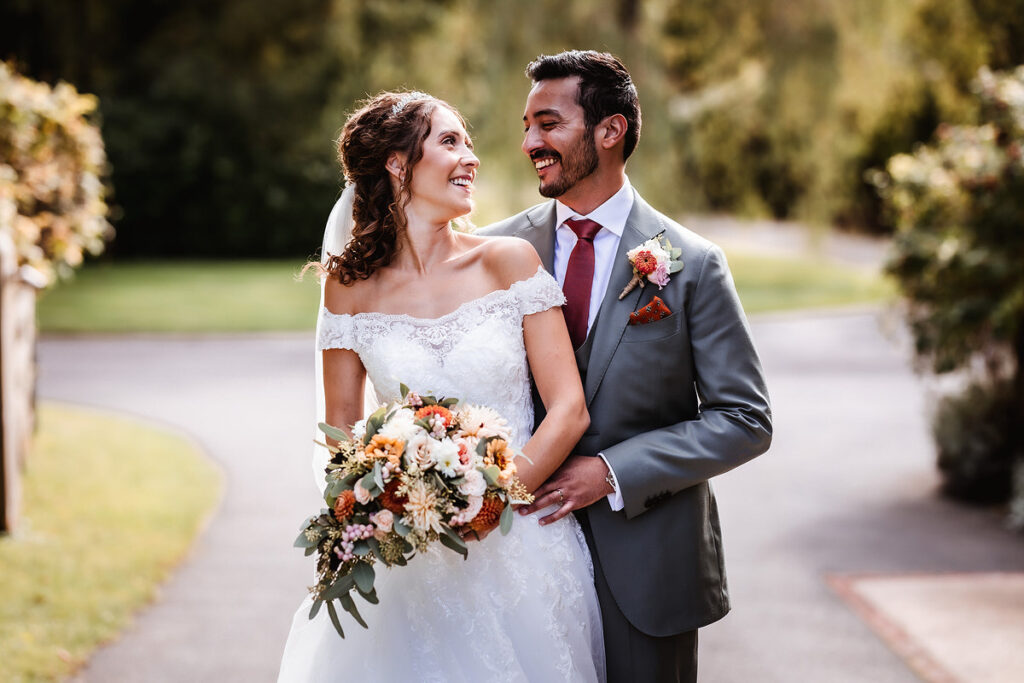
(110, 507)
(222, 296)
(771, 283)
(182, 296)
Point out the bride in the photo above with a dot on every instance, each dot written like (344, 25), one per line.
(451, 314)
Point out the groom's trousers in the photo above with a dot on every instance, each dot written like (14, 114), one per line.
(632, 656)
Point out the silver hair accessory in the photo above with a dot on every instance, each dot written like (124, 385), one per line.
(406, 99)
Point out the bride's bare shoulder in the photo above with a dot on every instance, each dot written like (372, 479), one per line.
(511, 259)
(347, 299)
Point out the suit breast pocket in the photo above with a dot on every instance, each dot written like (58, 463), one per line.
(659, 329)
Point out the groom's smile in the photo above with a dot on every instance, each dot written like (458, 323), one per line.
(556, 137)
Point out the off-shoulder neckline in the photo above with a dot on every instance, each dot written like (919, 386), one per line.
(493, 294)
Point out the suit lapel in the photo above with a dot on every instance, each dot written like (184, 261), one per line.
(541, 233)
(641, 225)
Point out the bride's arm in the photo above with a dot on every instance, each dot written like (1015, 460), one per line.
(553, 366)
(344, 376)
(344, 382)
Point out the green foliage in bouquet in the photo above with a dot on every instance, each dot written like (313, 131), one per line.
(958, 256)
(418, 471)
(51, 165)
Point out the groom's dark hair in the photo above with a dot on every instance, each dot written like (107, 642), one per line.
(605, 88)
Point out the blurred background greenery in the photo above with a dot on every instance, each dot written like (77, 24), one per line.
(218, 117)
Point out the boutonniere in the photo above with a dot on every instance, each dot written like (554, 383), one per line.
(653, 260)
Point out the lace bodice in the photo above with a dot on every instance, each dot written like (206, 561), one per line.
(475, 353)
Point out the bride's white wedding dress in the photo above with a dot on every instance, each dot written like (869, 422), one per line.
(522, 607)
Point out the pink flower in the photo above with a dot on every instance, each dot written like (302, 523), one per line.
(362, 495)
(466, 516)
(474, 484)
(384, 519)
(660, 275)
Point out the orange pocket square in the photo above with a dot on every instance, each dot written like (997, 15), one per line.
(656, 310)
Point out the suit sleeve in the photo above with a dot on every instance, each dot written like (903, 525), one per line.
(733, 423)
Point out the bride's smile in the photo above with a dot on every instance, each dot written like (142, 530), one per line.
(442, 185)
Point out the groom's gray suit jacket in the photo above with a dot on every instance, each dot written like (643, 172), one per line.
(672, 403)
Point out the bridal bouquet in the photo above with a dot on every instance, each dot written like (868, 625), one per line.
(415, 472)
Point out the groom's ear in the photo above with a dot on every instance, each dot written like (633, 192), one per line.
(611, 131)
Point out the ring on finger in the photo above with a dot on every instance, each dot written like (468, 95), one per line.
(561, 496)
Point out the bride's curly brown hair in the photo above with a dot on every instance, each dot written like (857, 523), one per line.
(385, 124)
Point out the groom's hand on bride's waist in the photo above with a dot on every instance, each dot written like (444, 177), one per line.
(579, 482)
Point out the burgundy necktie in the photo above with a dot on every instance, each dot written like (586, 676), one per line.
(579, 279)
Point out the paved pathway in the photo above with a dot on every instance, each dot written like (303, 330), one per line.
(848, 487)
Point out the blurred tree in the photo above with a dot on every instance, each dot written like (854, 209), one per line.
(958, 204)
(212, 113)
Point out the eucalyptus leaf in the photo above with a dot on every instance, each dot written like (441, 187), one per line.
(451, 540)
(491, 473)
(361, 548)
(334, 619)
(449, 402)
(303, 542)
(310, 550)
(506, 520)
(370, 597)
(363, 575)
(334, 432)
(333, 490)
(368, 483)
(375, 548)
(317, 604)
(675, 267)
(400, 528)
(350, 606)
(378, 476)
(341, 586)
(481, 446)
(404, 389)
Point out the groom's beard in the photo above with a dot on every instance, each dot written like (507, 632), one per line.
(577, 164)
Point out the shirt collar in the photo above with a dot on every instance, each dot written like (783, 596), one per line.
(611, 215)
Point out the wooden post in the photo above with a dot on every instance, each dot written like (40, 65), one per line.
(17, 377)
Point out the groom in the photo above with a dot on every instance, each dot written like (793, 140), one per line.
(674, 386)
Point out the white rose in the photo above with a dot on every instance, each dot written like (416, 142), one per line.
(474, 485)
(383, 520)
(417, 451)
(446, 456)
(362, 495)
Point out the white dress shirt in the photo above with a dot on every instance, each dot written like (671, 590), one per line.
(611, 216)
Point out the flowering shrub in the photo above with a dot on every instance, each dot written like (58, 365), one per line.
(51, 162)
(958, 207)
